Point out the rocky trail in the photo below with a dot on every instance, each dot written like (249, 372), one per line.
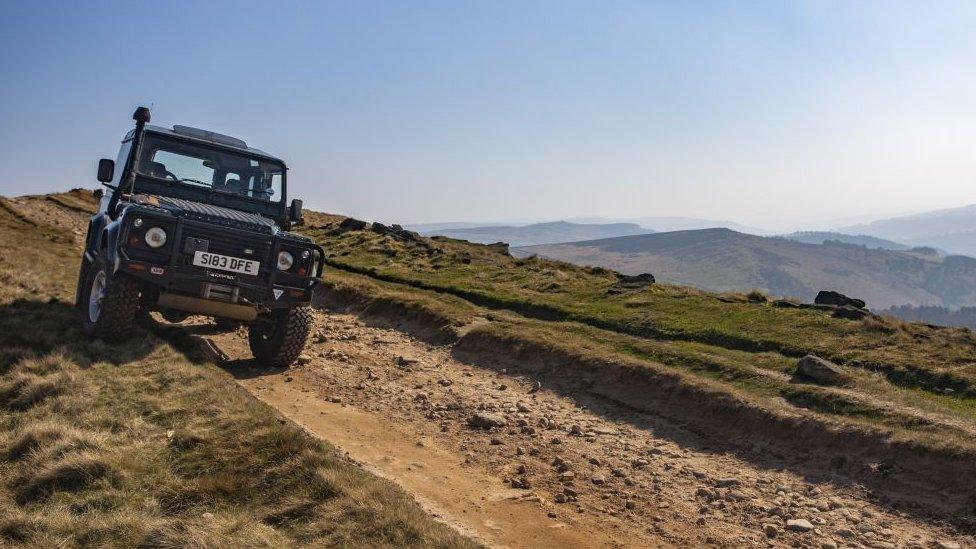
(518, 456)
(517, 461)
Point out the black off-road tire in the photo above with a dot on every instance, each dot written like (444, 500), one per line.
(80, 294)
(279, 339)
(119, 311)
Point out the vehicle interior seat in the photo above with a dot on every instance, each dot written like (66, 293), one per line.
(157, 169)
(234, 186)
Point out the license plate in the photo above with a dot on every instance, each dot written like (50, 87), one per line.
(226, 263)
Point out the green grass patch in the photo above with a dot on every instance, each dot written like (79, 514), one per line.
(910, 355)
(762, 379)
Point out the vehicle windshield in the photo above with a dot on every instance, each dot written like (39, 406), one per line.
(198, 165)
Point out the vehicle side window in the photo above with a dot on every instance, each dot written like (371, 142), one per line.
(120, 163)
(266, 188)
(117, 177)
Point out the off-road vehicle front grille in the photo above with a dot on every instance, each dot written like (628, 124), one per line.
(220, 292)
(224, 241)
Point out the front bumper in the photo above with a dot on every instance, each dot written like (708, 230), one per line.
(169, 272)
(199, 282)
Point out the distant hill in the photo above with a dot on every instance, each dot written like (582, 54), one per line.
(724, 260)
(939, 316)
(671, 223)
(953, 230)
(425, 228)
(820, 237)
(541, 233)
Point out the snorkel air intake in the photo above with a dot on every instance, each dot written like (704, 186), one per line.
(141, 116)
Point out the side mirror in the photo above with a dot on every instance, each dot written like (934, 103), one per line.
(106, 170)
(295, 212)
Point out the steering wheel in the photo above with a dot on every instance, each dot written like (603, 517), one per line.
(171, 175)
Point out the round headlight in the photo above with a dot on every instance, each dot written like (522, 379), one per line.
(155, 237)
(137, 222)
(285, 261)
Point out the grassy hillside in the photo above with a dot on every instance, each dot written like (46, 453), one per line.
(910, 397)
(147, 444)
(724, 260)
(821, 237)
(541, 233)
(745, 345)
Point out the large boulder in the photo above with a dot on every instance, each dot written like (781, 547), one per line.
(499, 247)
(410, 235)
(485, 420)
(352, 224)
(634, 282)
(380, 228)
(827, 297)
(396, 231)
(818, 370)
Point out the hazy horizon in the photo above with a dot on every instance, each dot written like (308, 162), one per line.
(778, 116)
(825, 225)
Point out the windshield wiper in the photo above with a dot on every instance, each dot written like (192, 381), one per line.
(188, 180)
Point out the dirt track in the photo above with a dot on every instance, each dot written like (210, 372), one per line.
(596, 473)
(567, 468)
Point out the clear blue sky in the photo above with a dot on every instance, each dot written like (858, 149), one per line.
(776, 114)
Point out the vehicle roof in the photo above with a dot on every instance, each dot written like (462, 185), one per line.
(227, 143)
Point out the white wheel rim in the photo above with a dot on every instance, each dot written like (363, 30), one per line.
(96, 295)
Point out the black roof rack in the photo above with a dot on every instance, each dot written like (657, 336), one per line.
(213, 137)
(208, 137)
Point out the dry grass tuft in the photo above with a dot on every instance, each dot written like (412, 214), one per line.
(15, 525)
(24, 390)
(878, 325)
(183, 440)
(295, 512)
(33, 380)
(71, 473)
(49, 437)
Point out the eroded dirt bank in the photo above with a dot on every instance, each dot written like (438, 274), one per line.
(523, 464)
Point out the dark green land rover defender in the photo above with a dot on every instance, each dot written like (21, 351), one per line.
(196, 223)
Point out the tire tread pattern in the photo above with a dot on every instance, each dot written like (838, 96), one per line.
(120, 309)
(291, 331)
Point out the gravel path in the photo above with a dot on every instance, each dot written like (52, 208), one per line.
(585, 469)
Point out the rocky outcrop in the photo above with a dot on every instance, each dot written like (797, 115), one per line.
(380, 228)
(396, 231)
(499, 247)
(636, 281)
(631, 282)
(351, 224)
(828, 297)
(818, 370)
